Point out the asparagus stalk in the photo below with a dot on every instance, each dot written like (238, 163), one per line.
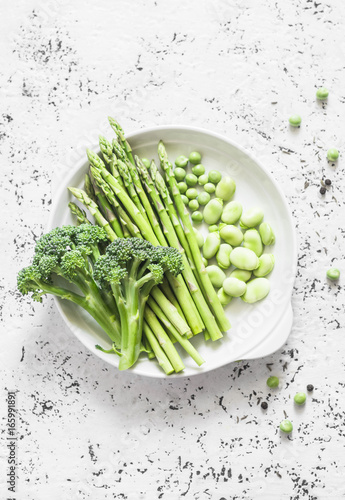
(162, 358)
(79, 213)
(127, 180)
(121, 136)
(109, 158)
(191, 238)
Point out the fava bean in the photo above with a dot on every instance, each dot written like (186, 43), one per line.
(179, 174)
(231, 234)
(266, 264)
(232, 212)
(224, 298)
(241, 274)
(226, 188)
(214, 176)
(234, 287)
(213, 211)
(213, 228)
(195, 157)
(204, 198)
(198, 170)
(223, 256)
(203, 179)
(257, 289)
(251, 218)
(211, 245)
(197, 217)
(199, 237)
(216, 275)
(191, 193)
(243, 258)
(252, 240)
(267, 234)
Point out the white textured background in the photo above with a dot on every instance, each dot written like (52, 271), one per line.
(236, 67)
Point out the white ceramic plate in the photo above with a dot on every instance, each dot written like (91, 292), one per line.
(258, 329)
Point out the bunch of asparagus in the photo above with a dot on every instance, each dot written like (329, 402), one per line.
(129, 199)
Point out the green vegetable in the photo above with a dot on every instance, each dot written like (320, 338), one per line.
(209, 187)
(203, 179)
(300, 398)
(226, 188)
(182, 187)
(191, 193)
(191, 180)
(243, 258)
(252, 240)
(212, 228)
(231, 235)
(241, 274)
(272, 382)
(204, 198)
(199, 237)
(197, 217)
(205, 261)
(146, 162)
(214, 176)
(181, 161)
(211, 245)
(184, 199)
(257, 289)
(332, 154)
(267, 234)
(179, 174)
(223, 297)
(223, 256)
(193, 205)
(198, 170)
(195, 158)
(322, 93)
(333, 274)
(232, 212)
(213, 211)
(286, 426)
(234, 287)
(295, 120)
(266, 265)
(216, 275)
(251, 218)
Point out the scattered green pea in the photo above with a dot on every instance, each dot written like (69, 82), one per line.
(322, 93)
(211, 245)
(182, 187)
(198, 170)
(232, 212)
(272, 381)
(213, 211)
(300, 398)
(181, 161)
(214, 176)
(333, 274)
(224, 298)
(234, 287)
(197, 217)
(195, 157)
(191, 180)
(295, 120)
(286, 426)
(146, 162)
(257, 289)
(203, 179)
(332, 154)
(267, 234)
(213, 228)
(184, 199)
(223, 256)
(193, 205)
(226, 188)
(179, 174)
(191, 193)
(199, 237)
(204, 198)
(209, 187)
(216, 275)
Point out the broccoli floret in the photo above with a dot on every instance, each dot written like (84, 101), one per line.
(132, 267)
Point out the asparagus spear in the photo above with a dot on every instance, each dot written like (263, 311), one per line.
(121, 136)
(79, 213)
(162, 358)
(127, 180)
(199, 265)
(109, 158)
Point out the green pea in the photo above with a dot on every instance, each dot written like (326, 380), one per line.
(193, 205)
(209, 187)
(231, 234)
(204, 198)
(322, 93)
(214, 176)
(226, 188)
(211, 245)
(191, 193)
(300, 398)
(223, 256)
(234, 287)
(213, 228)
(184, 199)
(197, 217)
(179, 174)
(295, 120)
(199, 237)
(216, 275)
(232, 212)
(332, 154)
(251, 218)
(243, 258)
(266, 264)
(203, 179)
(267, 234)
(224, 299)
(241, 274)
(286, 426)
(333, 274)
(182, 187)
(272, 381)
(198, 170)
(191, 180)
(146, 162)
(257, 289)
(252, 240)
(181, 161)
(213, 211)
(195, 157)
